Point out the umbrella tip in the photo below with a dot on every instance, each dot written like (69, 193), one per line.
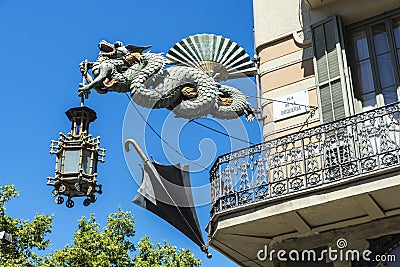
(204, 248)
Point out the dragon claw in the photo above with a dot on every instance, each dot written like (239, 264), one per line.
(250, 117)
(83, 92)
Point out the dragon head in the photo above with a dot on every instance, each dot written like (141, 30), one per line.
(118, 50)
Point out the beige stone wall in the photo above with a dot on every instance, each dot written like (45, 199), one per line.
(275, 19)
(286, 67)
(283, 44)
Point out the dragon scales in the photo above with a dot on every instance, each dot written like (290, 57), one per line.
(188, 91)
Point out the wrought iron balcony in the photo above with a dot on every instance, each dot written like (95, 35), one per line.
(342, 151)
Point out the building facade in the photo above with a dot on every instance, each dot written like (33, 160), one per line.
(327, 176)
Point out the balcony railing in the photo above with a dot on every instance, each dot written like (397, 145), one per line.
(345, 149)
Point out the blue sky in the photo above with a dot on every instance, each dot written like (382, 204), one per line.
(43, 43)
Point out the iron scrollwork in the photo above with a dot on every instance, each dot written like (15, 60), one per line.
(344, 149)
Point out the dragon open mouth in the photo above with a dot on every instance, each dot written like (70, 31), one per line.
(106, 48)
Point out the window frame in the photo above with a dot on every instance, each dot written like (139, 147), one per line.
(367, 25)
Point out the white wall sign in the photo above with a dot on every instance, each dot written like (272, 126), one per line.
(291, 105)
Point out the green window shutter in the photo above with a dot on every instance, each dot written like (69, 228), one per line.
(329, 70)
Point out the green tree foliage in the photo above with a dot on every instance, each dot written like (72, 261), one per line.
(27, 236)
(92, 246)
(110, 246)
(151, 255)
(95, 247)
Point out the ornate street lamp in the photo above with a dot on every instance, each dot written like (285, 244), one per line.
(5, 238)
(77, 155)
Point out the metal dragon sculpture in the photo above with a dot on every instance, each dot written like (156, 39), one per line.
(191, 88)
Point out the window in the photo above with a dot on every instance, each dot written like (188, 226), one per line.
(375, 58)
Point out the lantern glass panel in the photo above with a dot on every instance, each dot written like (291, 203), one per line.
(59, 162)
(71, 160)
(86, 158)
(78, 127)
(94, 169)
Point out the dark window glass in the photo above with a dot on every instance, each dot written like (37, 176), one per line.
(360, 45)
(385, 69)
(396, 30)
(368, 101)
(366, 81)
(374, 64)
(390, 95)
(381, 43)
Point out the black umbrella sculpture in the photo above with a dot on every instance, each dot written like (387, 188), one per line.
(165, 190)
